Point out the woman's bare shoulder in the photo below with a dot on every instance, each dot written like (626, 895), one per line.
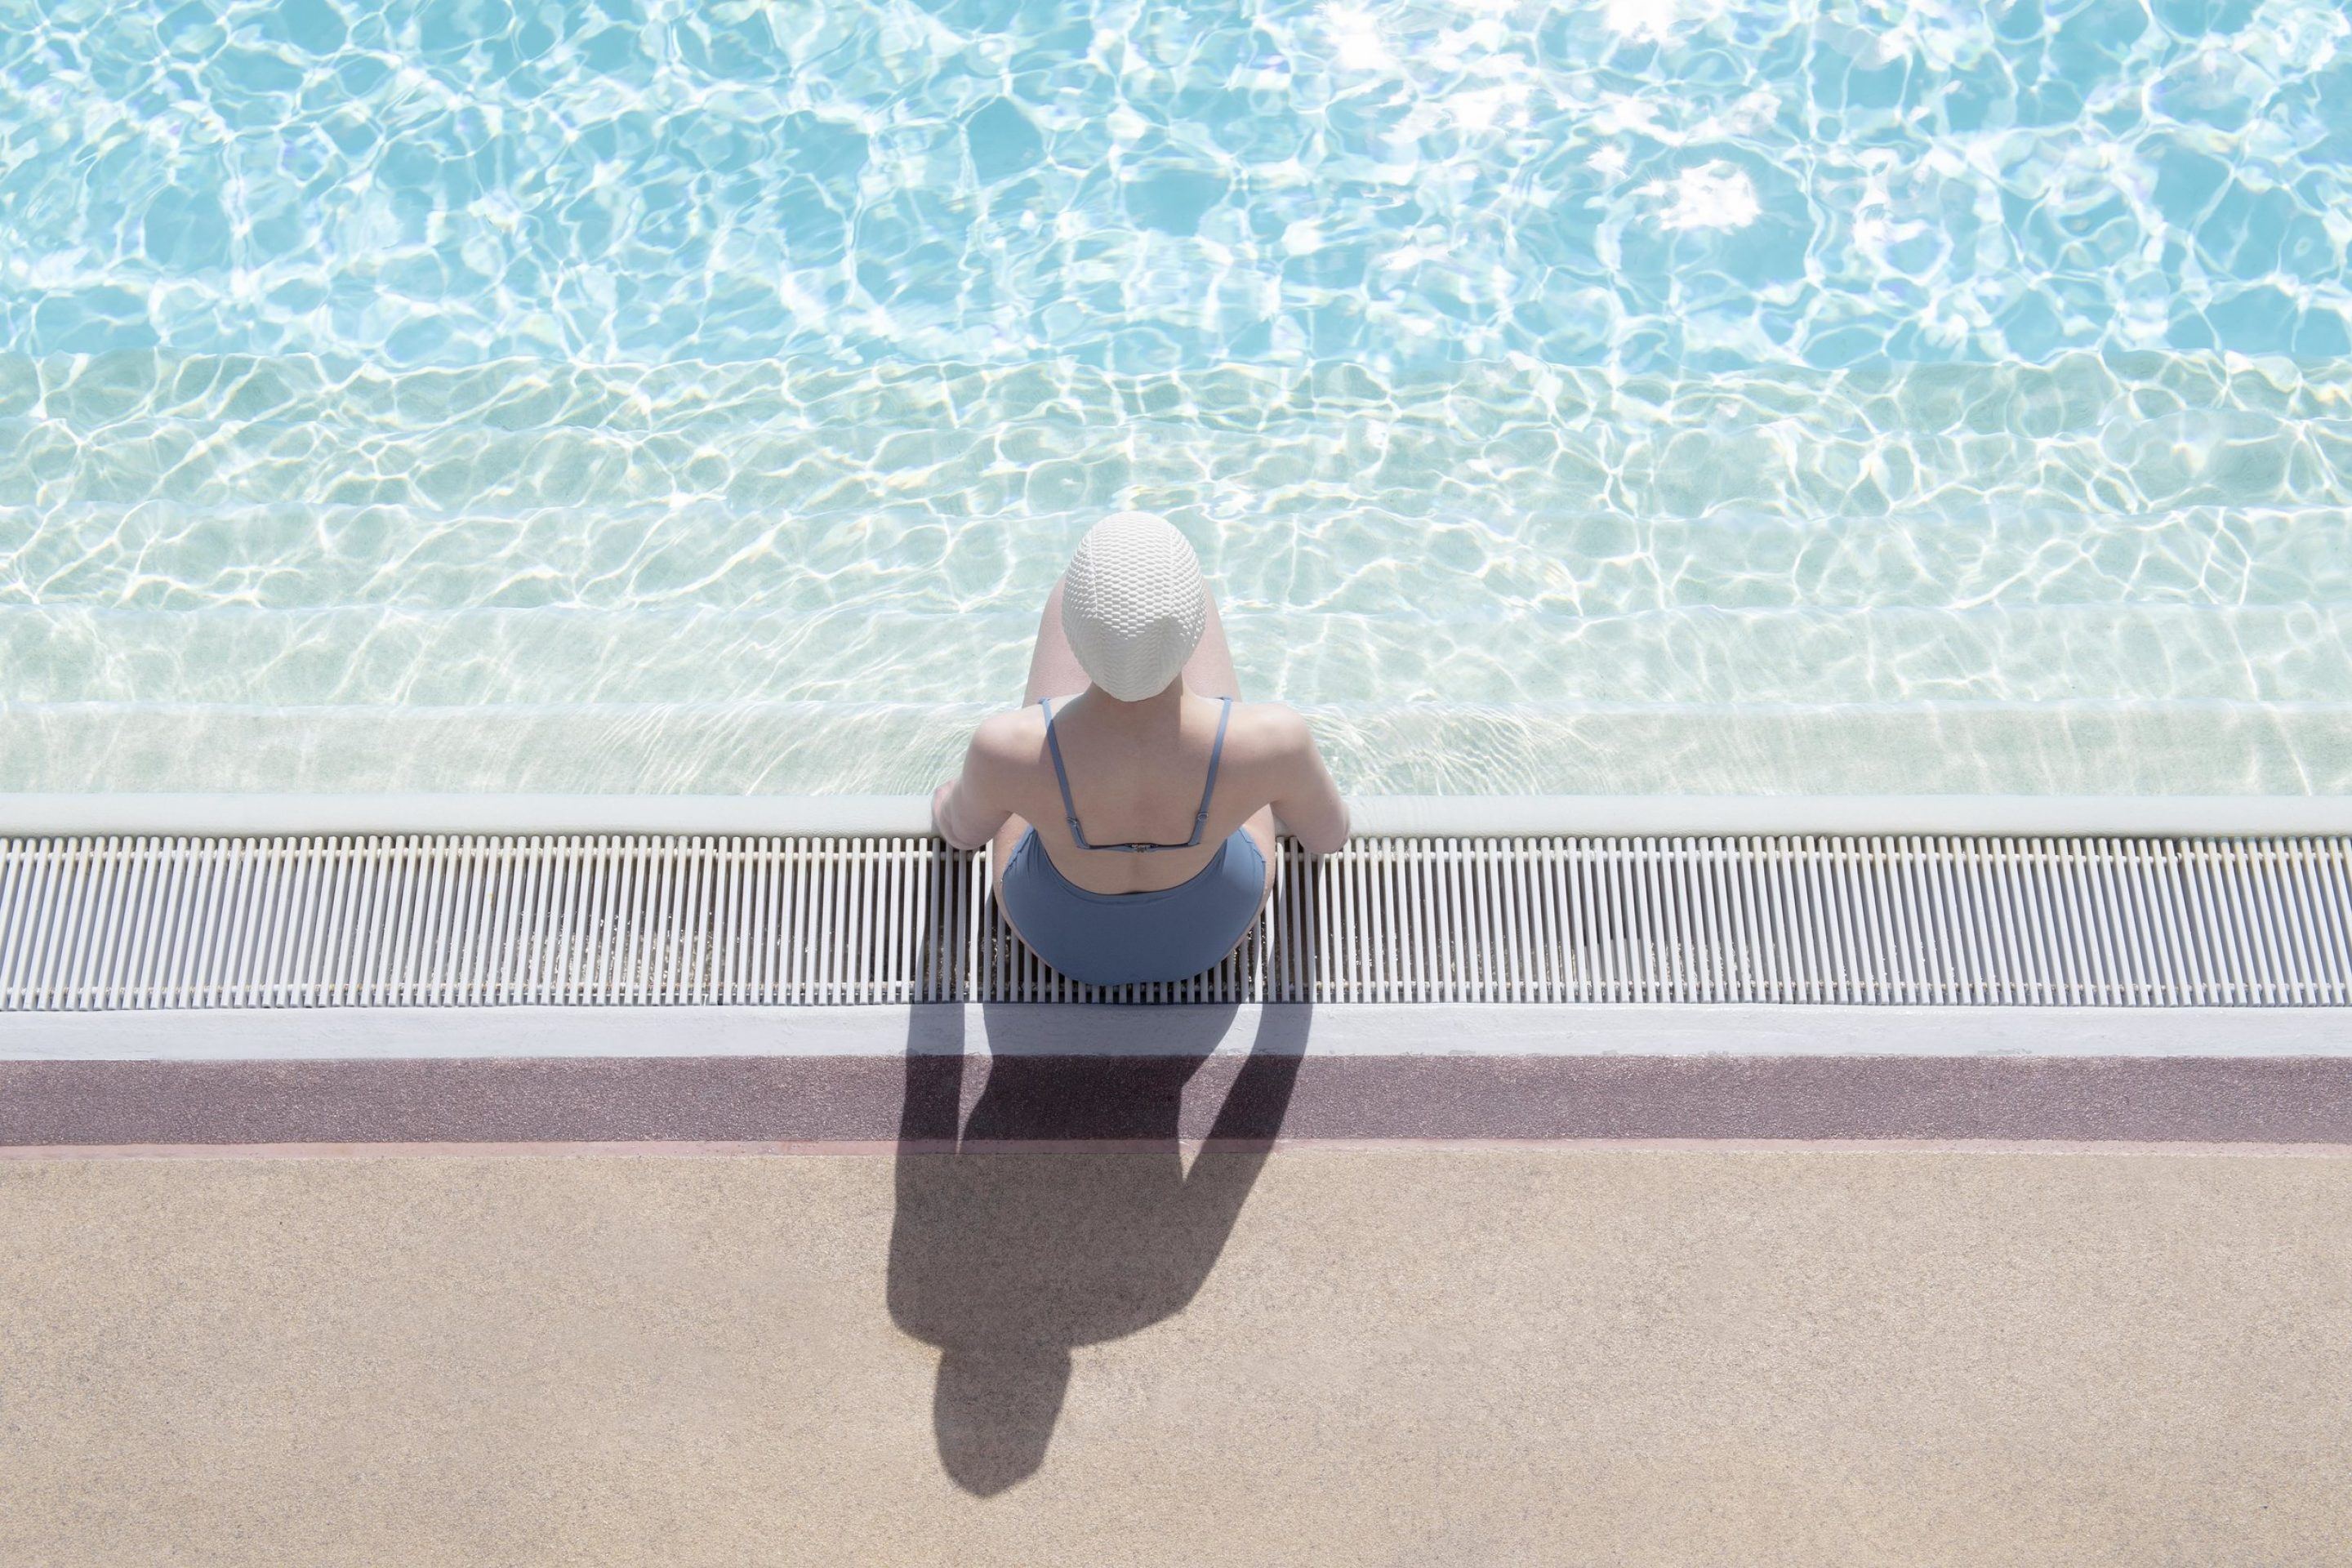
(1007, 739)
(1283, 762)
(1271, 731)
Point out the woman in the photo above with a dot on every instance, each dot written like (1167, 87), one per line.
(1134, 817)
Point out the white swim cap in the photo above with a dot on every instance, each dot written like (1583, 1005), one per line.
(1133, 604)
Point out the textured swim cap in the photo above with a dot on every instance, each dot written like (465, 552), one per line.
(1133, 604)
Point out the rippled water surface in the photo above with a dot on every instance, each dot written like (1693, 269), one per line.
(1634, 395)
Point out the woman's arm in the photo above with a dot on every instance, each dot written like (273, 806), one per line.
(968, 809)
(1306, 798)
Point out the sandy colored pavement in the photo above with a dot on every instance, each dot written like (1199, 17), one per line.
(1360, 1356)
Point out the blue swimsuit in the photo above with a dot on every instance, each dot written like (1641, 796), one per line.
(1112, 939)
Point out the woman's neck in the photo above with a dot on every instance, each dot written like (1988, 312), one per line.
(1157, 713)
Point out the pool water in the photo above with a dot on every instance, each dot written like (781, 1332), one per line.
(1639, 396)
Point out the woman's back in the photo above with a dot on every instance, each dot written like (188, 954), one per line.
(1137, 774)
(1132, 799)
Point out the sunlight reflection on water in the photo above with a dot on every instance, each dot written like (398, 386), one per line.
(1641, 395)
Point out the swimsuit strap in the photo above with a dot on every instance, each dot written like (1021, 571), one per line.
(1216, 752)
(1061, 775)
(1070, 809)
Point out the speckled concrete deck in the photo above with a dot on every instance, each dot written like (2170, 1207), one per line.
(1802, 1354)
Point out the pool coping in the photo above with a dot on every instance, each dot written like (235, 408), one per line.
(1403, 815)
(1468, 1031)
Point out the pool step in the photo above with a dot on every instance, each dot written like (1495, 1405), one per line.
(2071, 392)
(1753, 460)
(408, 920)
(2086, 433)
(1387, 747)
(1535, 654)
(1472, 561)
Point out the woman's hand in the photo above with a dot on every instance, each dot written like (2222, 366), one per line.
(939, 814)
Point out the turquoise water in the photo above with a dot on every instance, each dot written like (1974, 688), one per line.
(1646, 394)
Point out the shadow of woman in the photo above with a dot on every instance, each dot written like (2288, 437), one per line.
(1007, 1257)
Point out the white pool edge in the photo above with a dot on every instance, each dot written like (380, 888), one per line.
(1410, 815)
(1348, 1029)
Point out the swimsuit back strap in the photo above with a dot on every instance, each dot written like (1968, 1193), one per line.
(1217, 752)
(1061, 777)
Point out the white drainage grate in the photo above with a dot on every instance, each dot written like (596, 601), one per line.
(451, 920)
